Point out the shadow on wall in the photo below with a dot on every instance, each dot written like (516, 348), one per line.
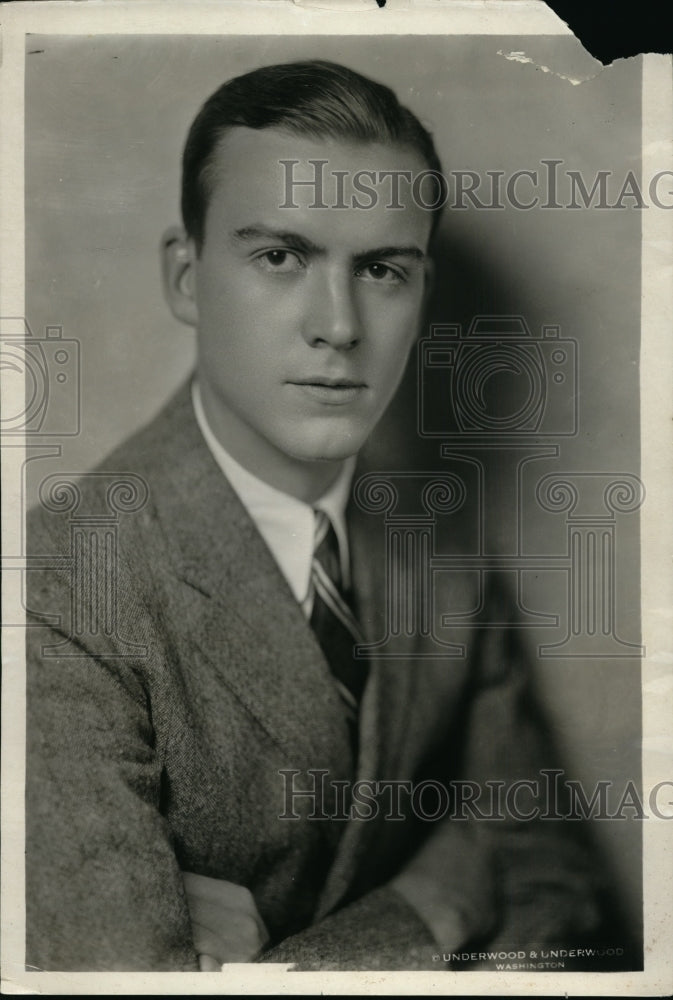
(499, 505)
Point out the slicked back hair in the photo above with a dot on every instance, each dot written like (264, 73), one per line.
(313, 98)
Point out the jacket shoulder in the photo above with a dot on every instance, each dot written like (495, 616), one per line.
(122, 483)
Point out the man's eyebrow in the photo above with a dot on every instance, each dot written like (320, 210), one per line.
(413, 252)
(299, 242)
(296, 240)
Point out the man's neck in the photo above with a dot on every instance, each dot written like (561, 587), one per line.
(306, 481)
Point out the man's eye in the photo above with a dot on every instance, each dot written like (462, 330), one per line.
(382, 273)
(279, 261)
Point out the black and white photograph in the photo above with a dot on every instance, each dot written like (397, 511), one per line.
(336, 461)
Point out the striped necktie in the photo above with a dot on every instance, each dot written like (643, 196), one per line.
(334, 623)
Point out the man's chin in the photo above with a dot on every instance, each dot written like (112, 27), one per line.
(328, 452)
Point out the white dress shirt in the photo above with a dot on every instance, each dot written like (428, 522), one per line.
(285, 523)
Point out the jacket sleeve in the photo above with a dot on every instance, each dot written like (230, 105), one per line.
(378, 931)
(98, 851)
(103, 887)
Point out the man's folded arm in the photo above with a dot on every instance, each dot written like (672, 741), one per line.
(103, 887)
(381, 930)
(396, 926)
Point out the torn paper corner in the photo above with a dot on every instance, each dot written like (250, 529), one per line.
(521, 57)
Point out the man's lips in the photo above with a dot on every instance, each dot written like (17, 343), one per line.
(329, 382)
(333, 391)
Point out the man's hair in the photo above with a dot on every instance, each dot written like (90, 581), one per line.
(312, 98)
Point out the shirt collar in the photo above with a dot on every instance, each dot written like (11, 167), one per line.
(285, 523)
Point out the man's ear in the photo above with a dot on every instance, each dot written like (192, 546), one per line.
(178, 257)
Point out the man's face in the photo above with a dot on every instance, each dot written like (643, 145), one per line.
(305, 315)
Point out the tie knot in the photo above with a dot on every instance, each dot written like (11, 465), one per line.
(326, 547)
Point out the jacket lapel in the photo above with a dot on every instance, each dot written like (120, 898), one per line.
(248, 625)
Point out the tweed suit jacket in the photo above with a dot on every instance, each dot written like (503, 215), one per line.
(168, 758)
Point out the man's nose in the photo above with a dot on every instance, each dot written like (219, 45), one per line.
(332, 316)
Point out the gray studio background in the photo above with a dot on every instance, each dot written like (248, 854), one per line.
(106, 119)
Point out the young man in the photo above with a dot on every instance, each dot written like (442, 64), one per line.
(160, 830)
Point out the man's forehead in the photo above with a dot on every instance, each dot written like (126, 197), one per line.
(265, 145)
(346, 184)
